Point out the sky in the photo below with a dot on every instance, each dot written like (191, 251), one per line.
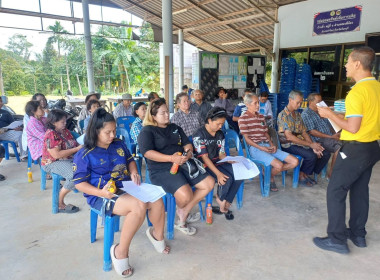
(57, 7)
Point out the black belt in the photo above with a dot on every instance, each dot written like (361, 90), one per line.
(356, 142)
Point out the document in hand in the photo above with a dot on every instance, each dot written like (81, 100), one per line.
(243, 168)
(144, 192)
(14, 125)
(336, 127)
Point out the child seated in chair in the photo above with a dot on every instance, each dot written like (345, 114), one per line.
(92, 105)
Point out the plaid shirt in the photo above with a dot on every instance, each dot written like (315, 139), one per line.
(135, 129)
(121, 111)
(190, 122)
(295, 125)
(312, 121)
(35, 132)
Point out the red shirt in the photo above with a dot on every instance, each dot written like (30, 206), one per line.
(52, 139)
(254, 126)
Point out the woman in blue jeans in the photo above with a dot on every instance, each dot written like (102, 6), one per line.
(209, 147)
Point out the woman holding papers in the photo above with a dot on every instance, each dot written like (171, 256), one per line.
(104, 159)
(209, 147)
(164, 144)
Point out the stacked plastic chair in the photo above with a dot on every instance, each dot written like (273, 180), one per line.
(287, 82)
(303, 79)
(315, 85)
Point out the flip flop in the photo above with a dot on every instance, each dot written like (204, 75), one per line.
(120, 265)
(229, 216)
(305, 182)
(216, 210)
(69, 209)
(158, 245)
(185, 228)
(193, 217)
(273, 187)
(311, 180)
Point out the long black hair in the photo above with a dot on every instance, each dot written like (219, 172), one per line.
(31, 107)
(97, 121)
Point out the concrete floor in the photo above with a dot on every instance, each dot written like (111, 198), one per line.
(270, 238)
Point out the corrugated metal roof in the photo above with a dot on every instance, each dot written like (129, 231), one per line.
(232, 26)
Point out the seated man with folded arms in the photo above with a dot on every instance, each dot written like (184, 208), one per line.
(199, 105)
(295, 140)
(189, 121)
(320, 129)
(253, 127)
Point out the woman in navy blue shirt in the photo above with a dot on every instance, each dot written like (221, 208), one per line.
(103, 158)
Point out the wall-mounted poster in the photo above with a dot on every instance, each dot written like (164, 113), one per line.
(209, 61)
(225, 81)
(337, 21)
(242, 65)
(240, 81)
(224, 65)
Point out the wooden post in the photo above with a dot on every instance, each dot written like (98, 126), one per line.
(67, 74)
(1, 81)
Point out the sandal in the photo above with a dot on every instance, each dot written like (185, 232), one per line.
(229, 216)
(312, 181)
(185, 228)
(193, 217)
(159, 245)
(305, 182)
(273, 187)
(216, 210)
(120, 265)
(69, 208)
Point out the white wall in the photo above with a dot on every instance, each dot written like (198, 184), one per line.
(296, 22)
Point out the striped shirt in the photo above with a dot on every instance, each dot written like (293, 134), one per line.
(254, 126)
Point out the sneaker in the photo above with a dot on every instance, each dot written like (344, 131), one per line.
(358, 241)
(326, 243)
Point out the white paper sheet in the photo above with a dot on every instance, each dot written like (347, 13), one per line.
(335, 126)
(243, 168)
(144, 192)
(14, 124)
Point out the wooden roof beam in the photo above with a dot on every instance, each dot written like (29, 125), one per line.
(191, 6)
(255, 25)
(238, 12)
(262, 10)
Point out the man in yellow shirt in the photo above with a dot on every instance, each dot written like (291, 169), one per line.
(358, 155)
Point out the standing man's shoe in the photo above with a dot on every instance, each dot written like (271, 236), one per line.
(326, 243)
(357, 240)
(2, 177)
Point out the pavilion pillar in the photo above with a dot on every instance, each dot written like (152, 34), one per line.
(275, 59)
(181, 61)
(88, 44)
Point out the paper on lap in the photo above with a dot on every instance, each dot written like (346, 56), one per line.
(14, 125)
(145, 192)
(336, 127)
(243, 168)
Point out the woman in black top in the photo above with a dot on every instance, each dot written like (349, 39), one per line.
(209, 147)
(160, 142)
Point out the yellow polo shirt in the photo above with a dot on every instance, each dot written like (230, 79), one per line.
(363, 101)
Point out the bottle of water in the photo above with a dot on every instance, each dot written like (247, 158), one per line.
(30, 175)
(209, 214)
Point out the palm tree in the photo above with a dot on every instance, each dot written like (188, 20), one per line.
(57, 37)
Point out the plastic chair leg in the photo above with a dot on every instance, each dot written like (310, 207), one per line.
(170, 200)
(108, 241)
(267, 175)
(296, 172)
(6, 150)
(29, 160)
(93, 225)
(43, 179)
(116, 223)
(283, 174)
(324, 171)
(240, 196)
(55, 192)
(15, 150)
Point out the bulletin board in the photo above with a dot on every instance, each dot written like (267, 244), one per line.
(234, 72)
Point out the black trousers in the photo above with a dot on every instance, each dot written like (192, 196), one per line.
(350, 174)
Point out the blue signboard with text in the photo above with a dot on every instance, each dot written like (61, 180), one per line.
(337, 21)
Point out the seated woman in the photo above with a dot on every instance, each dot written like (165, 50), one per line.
(58, 148)
(91, 106)
(224, 102)
(104, 158)
(162, 144)
(35, 128)
(139, 111)
(209, 147)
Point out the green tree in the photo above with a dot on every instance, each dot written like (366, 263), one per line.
(19, 45)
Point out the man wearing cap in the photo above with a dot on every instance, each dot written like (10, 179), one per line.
(124, 108)
(85, 113)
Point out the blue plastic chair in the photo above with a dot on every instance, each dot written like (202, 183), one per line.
(265, 171)
(125, 122)
(123, 133)
(81, 125)
(55, 192)
(111, 225)
(30, 160)
(231, 135)
(5, 144)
